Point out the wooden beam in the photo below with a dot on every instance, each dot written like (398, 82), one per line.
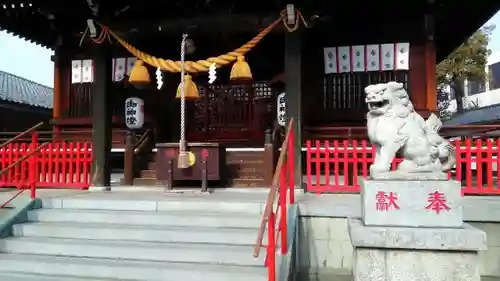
(201, 25)
(21, 107)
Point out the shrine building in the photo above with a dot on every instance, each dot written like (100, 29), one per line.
(162, 98)
(271, 62)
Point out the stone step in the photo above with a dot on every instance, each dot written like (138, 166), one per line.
(150, 181)
(246, 162)
(247, 155)
(249, 182)
(121, 232)
(148, 174)
(15, 276)
(207, 205)
(148, 251)
(201, 219)
(152, 165)
(252, 170)
(249, 166)
(101, 269)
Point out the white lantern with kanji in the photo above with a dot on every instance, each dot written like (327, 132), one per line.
(281, 109)
(134, 113)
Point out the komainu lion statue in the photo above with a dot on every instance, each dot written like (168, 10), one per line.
(393, 125)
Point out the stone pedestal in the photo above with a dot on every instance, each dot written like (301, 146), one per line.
(413, 230)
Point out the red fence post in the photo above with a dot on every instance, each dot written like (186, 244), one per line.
(489, 165)
(33, 164)
(291, 165)
(308, 165)
(271, 248)
(282, 207)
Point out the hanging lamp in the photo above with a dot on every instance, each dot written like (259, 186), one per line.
(139, 74)
(241, 70)
(190, 89)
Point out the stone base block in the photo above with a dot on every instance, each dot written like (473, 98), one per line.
(417, 254)
(411, 203)
(397, 265)
(466, 238)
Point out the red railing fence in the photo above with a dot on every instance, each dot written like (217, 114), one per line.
(282, 185)
(58, 164)
(336, 166)
(31, 157)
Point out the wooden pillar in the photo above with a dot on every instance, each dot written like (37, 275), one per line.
(269, 151)
(423, 89)
(430, 65)
(57, 98)
(102, 117)
(56, 107)
(293, 77)
(128, 158)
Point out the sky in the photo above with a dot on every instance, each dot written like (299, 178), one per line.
(494, 43)
(25, 59)
(28, 60)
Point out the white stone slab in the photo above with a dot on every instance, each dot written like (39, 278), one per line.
(396, 265)
(415, 253)
(430, 203)
(467, 238)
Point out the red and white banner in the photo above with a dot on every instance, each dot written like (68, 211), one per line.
(82, 71)
(365, 58)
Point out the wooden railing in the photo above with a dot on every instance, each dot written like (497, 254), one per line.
(283, 181)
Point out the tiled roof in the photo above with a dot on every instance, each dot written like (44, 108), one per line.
(480, 115)
(17, 89)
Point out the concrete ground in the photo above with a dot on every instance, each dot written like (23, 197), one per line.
(7, 193)
(350, 278)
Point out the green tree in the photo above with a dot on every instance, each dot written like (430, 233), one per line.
(467, 61)
(443, 103)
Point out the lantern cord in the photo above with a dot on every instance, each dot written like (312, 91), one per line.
(201, 66)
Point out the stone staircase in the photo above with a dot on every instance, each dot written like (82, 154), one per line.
(175, 239)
